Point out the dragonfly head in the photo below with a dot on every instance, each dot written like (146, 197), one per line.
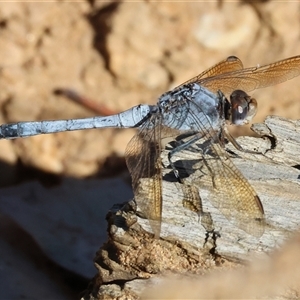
(243, 107)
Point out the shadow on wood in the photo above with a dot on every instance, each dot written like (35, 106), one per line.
(132, 253)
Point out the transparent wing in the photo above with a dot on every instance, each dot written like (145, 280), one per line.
(229, 191)
(232, 194)
(144, 164)
(253, 78)
(231, 63)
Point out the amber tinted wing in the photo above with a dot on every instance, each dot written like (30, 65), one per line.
(144, 164)
(231, 63)
(229, 191)
(253, 78)
(232, 194)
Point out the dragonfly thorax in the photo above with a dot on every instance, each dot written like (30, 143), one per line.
(183, 107)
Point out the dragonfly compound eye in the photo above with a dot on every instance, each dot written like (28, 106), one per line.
(243, 107)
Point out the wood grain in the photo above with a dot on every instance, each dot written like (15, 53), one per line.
(183, 247)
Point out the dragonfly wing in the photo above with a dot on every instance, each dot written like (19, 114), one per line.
(229, 191)
(144, 164)
(231, 63)
(232, 194)
(254, 78)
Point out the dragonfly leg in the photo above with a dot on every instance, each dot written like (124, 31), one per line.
(179, 148)
(233, 141)
(204, 149)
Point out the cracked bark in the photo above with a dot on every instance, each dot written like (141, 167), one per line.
(132, 253)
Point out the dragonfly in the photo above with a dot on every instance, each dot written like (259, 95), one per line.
(191, 117)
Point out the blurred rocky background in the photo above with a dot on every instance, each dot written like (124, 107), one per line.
(120, 54)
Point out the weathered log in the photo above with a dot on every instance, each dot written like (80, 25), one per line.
(132, 253)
